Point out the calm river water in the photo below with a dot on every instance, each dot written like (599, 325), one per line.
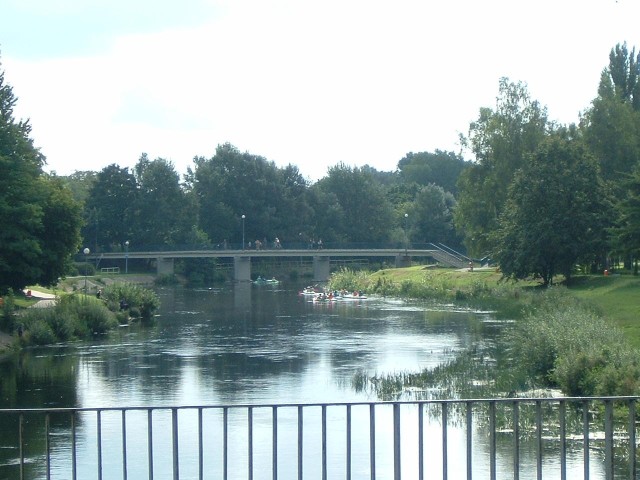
(238, 344)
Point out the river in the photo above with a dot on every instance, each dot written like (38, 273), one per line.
(237, 344)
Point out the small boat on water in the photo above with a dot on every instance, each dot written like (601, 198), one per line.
(353, 296)
(266, 281)
(324, 297)
(346, 295)
(310, 291)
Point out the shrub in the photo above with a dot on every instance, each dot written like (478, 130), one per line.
(7, 312)
(569, 346)
(97, 317)
(134, 296)
(40, 333)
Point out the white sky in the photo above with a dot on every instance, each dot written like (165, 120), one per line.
(311, 83)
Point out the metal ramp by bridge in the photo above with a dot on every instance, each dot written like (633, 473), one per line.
(450, 258)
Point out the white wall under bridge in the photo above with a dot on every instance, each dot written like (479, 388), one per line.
(321, 258)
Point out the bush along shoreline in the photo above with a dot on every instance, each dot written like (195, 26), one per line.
(78, 316)
(556, 341)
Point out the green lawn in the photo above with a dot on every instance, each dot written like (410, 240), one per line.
(616, 297)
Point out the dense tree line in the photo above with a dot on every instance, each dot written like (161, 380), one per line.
(537, 197)
(40, 218)
(543, 198)
(152, 207)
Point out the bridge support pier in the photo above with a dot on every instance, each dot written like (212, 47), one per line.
(321, 269)
(403, 261)
(164, 266)
(242, 269)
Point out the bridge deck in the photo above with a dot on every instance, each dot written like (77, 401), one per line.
(281, 252)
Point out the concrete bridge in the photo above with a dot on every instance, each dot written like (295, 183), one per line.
(321, 258)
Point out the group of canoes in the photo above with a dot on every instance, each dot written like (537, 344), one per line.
(319, 295)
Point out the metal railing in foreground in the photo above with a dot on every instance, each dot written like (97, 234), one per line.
(485, 438)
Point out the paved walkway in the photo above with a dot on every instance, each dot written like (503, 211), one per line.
(44, 299)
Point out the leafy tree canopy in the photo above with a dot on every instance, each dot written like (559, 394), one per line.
(555, 214)
(612, 124)
(40, 220)
(439, 168)
(363, 207)
(111, 208)
(500, 140)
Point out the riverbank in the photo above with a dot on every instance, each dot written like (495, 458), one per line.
(614, 297)
(37, 297)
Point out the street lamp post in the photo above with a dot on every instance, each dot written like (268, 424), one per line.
(126, 257)
(86, 252)
(406, 232)
(243, 217)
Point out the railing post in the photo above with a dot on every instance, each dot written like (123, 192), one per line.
(150, 441)
(225, 443)
(445, 441)
(372, 440)
(200, 446)
(397, 475)
(21, 443)
(492, 440)
(324, 442)
(420, 441)
(250, 440)
(632, 439)
(275, 443)
(300, 441)
(563, 440)
(469, 440)
(516, 441)
(74, 453)
(608, 439)
(99, 440)
(348, 472)
(539, 440)
(47, 432)
(585, 436)
(124, 444)
(174, 432)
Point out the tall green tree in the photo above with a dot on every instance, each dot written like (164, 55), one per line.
(40, 222)
(431, 217)
(440, 168)
(62, 218)
(556, 213)
(233, 183)
(626, 233)
(500, 139)
(111, 205)
(612, 125)
(361, 205)
(624, 70)
(163, 212)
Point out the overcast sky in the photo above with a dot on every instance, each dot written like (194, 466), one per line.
(301, 82)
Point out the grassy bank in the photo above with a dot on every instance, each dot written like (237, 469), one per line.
(616, 298)
(582, 339)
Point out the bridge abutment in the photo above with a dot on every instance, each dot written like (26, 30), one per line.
(242, 269)
(403, 261)
(164, 266)
(321, 269)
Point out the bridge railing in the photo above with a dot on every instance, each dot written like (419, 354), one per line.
(294, 245)
(487, 438)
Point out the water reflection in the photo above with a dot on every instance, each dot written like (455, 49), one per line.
(238, 344)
